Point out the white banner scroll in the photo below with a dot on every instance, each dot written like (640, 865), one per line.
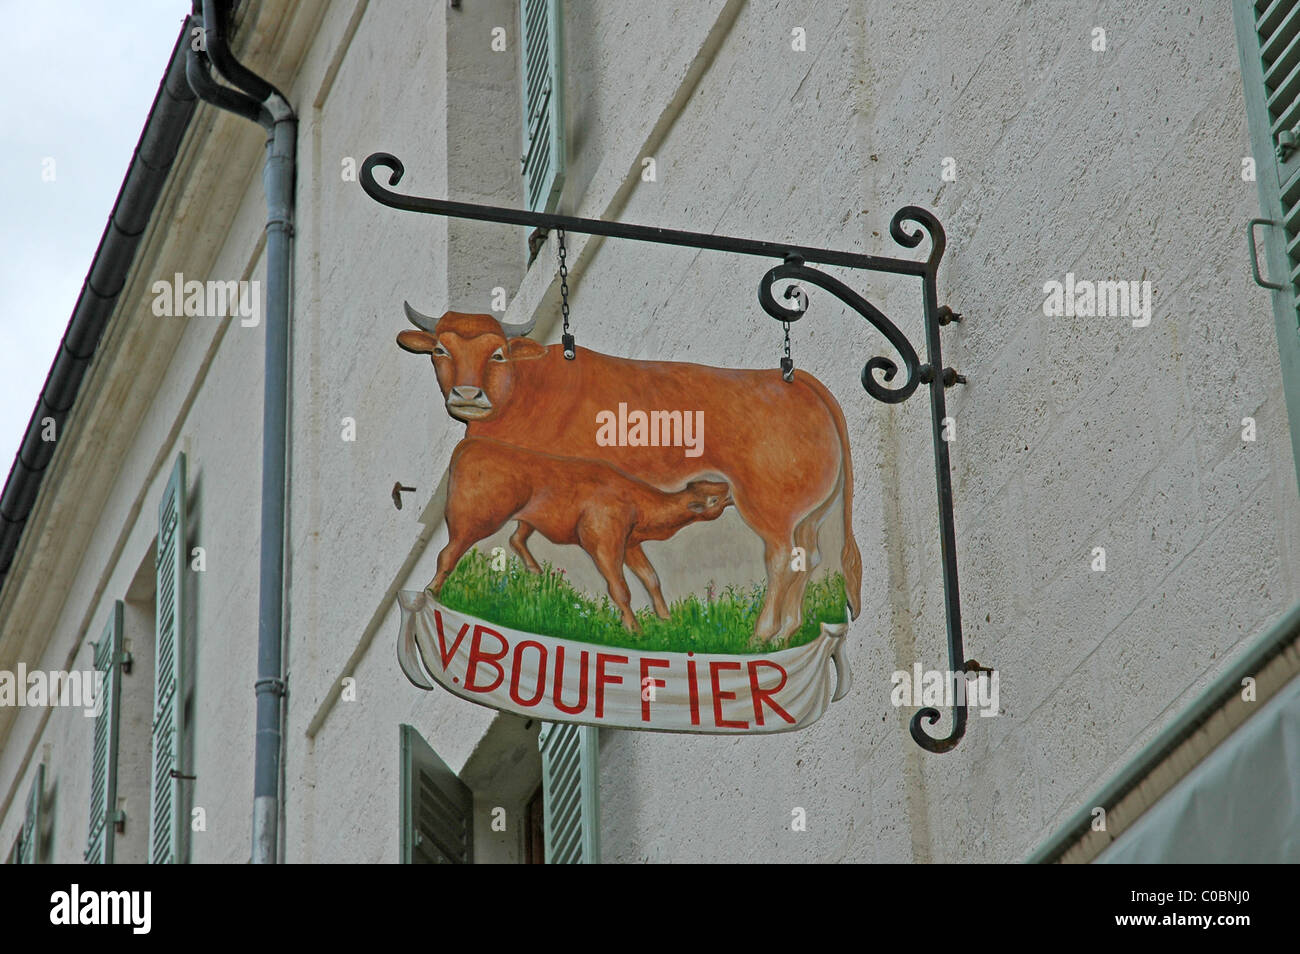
(565, 680)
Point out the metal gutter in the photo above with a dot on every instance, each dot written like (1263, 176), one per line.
(169, 118)
(1283, 633)
(254, 98)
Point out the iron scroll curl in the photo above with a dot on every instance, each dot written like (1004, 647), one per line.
(385, 160)
(927, 221)
(931, 715)
(794, 270)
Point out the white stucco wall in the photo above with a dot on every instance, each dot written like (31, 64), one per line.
(1072, 433)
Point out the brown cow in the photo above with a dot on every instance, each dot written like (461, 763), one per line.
(568, 500)
(782, 447)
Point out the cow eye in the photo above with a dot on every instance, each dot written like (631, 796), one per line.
(440, 352)
(498, 355)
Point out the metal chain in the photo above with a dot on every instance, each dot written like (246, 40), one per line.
(564, 281)
(787, 363)
(567, 339)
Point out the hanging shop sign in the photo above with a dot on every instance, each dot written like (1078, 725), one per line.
(612, 459)
(623, 464)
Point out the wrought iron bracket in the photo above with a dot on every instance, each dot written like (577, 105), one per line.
(878, 374)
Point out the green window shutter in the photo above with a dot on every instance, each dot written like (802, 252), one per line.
(570, 793)
(1277, 27)
(542, 72)
(437, 815)
(29, 842)
(169, 685)
(103, 758)
(1268, 37)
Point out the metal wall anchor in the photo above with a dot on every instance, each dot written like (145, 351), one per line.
(398, 490)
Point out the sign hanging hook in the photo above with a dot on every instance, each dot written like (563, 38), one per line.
(796, 294)
(787, 363)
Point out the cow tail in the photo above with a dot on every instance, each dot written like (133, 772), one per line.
(850, 556)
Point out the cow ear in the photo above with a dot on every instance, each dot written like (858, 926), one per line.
(416, 342)
(524, 348)
(695, 506)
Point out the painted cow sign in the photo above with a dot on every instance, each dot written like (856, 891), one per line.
(600, 455)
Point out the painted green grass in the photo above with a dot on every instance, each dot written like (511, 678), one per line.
(547, 604)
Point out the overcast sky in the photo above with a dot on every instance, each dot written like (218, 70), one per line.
(77, 80)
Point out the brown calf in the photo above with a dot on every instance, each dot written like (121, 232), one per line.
(568, 500)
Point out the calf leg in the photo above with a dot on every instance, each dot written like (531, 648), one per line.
(606, 547)
(639, 564)
(519, 540)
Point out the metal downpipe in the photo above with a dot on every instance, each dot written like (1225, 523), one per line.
(254, 96)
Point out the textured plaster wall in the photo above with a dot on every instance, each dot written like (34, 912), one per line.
(1073, 433)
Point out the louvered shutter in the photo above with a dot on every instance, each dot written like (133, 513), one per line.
(542, 70)
(570, 793)
(437, 815)
(1277, 25)
(164, 818)
(29, 842)
(1275, 30)
(1268, 35)
(103, 756)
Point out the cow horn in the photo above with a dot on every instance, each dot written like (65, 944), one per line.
(423, 322)
(519, 331)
